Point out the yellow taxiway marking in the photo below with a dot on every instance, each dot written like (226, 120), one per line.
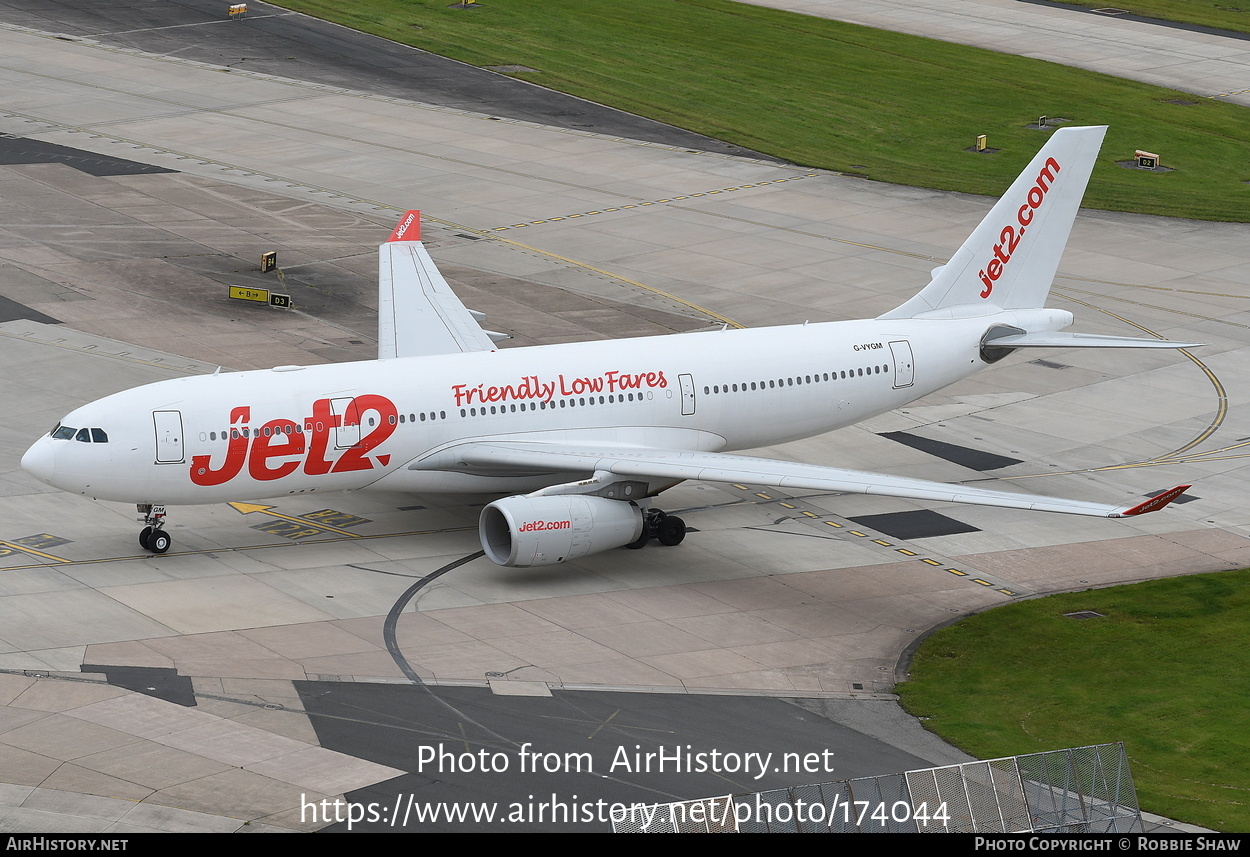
(1181, 454)
(15, 546)
(249, 508)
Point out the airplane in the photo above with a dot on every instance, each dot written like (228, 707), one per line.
(580, 438)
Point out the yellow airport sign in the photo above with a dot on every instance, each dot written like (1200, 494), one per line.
(242, 293)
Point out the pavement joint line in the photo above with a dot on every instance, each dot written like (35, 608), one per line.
(32, 336)
(664, 201)
(815, 519)
(391, 99)
(1177, 455)
(378, 205)
(672, 690)
(245, 112)
(1171, 310)
(193, 24)
(239, 548)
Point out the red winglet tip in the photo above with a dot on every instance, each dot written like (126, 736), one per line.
(1156, 503)
(409, 228)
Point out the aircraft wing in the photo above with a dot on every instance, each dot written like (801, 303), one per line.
(418, 313)
(643, 462)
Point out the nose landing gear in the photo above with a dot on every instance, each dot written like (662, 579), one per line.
(153, 536)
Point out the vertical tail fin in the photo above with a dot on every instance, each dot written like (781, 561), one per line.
(1010, 259)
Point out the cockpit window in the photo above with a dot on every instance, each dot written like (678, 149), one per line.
(83, 435)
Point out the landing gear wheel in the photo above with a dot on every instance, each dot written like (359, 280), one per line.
(670, 531)
(153, 536)
(159, 541)
(641, 542)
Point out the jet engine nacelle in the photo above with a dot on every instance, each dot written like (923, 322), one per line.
(519, 532)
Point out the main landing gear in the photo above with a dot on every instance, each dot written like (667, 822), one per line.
(668, 530)
(153, 536)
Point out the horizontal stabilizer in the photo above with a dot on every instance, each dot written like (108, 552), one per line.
(1062, 339)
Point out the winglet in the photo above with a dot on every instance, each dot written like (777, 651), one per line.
(418, 313)
(1155, 503)
(409, 228)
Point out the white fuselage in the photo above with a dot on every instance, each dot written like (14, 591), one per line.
(372, 424)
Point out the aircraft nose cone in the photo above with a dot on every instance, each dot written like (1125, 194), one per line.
(39, 461)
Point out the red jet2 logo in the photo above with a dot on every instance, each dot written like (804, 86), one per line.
(277, 448)
(1009, 237)
(539, 526)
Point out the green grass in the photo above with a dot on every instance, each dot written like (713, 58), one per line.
(1165, 672)
(827, 94)
(1224, 14)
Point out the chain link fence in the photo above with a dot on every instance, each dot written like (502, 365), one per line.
(1079, 790)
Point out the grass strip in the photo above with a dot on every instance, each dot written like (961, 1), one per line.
(1163, 670)
(822, 93)
(1221, 14)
